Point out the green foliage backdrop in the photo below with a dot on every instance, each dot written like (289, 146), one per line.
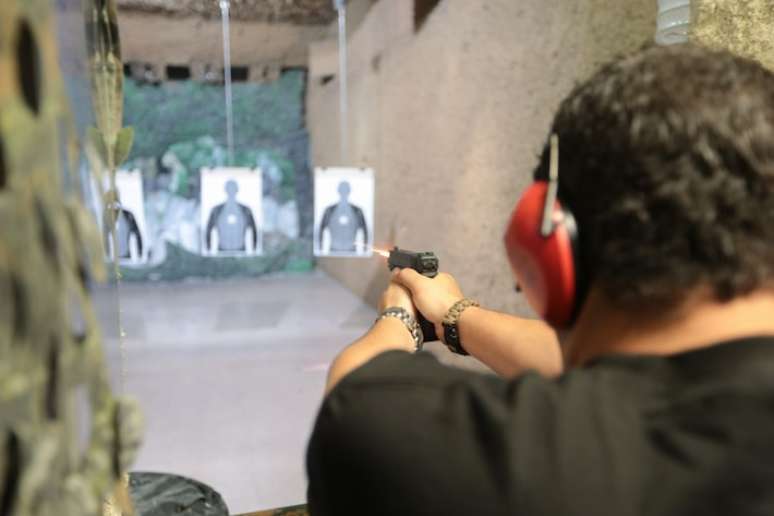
(183, 111)
(180, 128)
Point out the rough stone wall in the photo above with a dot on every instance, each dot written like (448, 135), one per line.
(745, 28)
(452, 118)
(162, 40)
(302, 12)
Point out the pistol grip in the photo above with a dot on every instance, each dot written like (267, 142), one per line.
(428, 329)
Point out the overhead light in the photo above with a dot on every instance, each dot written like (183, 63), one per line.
(674, 21)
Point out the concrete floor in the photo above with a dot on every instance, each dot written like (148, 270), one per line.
(230, 377)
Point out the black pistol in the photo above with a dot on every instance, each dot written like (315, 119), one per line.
(426, 264)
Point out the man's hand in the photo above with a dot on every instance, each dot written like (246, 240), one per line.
(432, 296)
(399, 296)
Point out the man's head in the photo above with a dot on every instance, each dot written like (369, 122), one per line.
(231, 189)
(344, 190)
(667, 162)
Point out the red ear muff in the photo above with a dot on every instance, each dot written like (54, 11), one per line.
(544, 266)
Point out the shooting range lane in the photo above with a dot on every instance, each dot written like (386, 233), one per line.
(230, 374)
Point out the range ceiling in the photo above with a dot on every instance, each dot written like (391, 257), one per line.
(301, 12)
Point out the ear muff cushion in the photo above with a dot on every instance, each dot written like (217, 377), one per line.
(544, 266)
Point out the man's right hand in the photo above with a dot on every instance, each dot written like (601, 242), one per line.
(432, 296)
(506, 343)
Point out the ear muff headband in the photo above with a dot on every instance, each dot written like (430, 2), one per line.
(541, 243)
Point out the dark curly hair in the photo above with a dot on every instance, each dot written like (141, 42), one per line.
(667, 161)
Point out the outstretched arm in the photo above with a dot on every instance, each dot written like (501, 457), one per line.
(506, 343)
(509, 344)
(386, 335)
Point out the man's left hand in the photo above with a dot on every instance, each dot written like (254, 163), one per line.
(398, 296)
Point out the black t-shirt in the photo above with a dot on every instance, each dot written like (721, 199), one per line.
(687, 434)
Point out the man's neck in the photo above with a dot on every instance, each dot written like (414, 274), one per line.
(699, 322)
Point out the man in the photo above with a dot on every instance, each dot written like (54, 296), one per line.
(343, 220)
(233, 222)
(666, 403)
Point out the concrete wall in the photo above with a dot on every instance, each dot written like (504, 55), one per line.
(161, 40)
(452, 119)
(745, 28)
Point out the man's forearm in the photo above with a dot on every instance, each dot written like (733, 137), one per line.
(509, 344)
(386, 335)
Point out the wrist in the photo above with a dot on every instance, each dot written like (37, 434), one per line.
(403, 325)
(395, 333)
(451, 325)
(446, 306)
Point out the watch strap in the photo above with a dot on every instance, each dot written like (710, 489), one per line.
(451, 331)
(408, 320)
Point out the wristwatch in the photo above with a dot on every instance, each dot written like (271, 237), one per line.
(451, 331)
(409, 321)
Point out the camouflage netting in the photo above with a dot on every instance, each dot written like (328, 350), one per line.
(745, 28)
(64, 438)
